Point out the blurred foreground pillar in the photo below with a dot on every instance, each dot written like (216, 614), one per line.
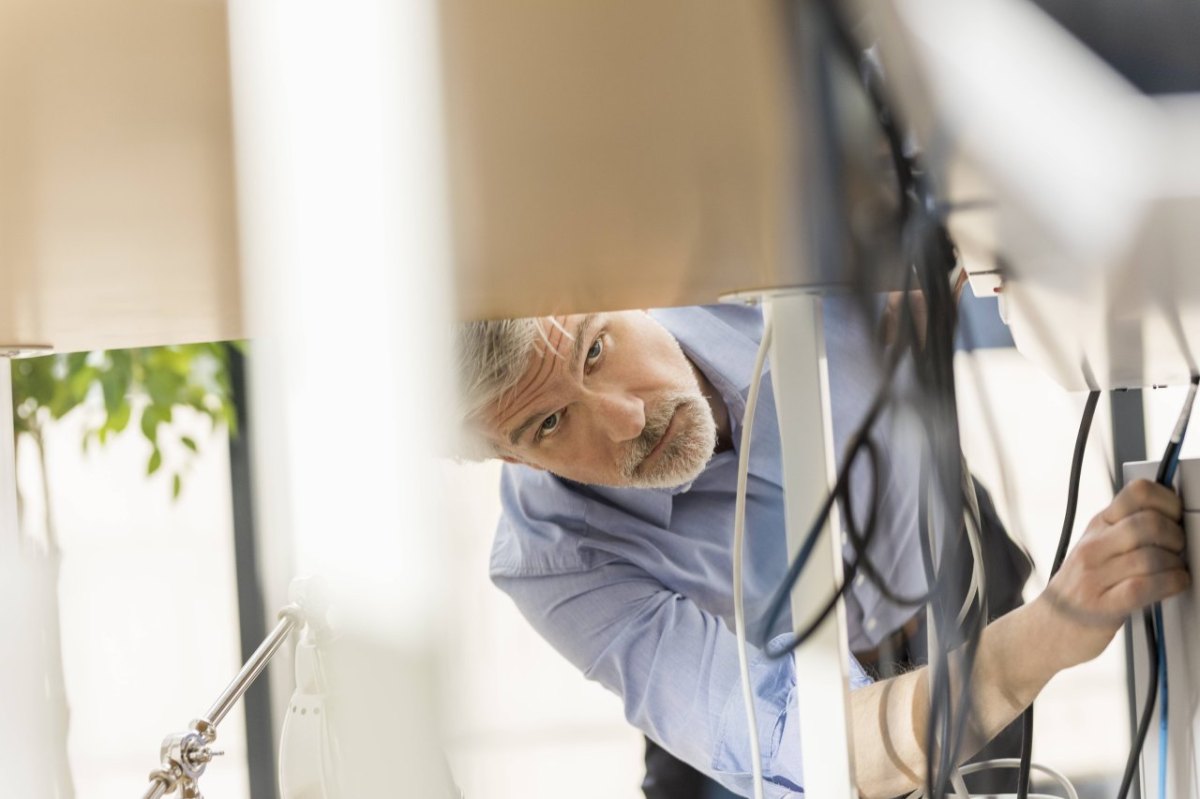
(33, 726)
(345, 272)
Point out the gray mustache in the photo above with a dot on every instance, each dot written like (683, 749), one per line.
(657, 423)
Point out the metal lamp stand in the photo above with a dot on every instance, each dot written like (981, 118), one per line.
(186, 755)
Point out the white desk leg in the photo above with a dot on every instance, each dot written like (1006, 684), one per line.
(32, 739)
(800, 377)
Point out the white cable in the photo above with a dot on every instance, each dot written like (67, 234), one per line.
(739, 537)
(972, 590)
(972, 523)
(971, 519)
(960, 787)
(1006, 762)
(1013, 762)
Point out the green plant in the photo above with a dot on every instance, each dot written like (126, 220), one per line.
(149, 383)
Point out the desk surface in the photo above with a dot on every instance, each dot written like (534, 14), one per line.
(117, 215)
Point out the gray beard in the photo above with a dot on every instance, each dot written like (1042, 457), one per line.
(683, 458)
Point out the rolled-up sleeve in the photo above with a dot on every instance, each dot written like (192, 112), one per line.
(674, 666)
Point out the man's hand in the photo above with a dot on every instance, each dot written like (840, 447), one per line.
(1130, 556)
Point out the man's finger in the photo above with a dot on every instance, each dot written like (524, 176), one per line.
(1145, 528)
(1143, 495)
(1141, 562)
(1136, 592)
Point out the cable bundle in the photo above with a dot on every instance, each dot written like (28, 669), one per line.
(954, 623)
(948, 514)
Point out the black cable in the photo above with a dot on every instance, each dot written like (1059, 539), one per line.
(858, 441)
(1135, 751)
(873, 86)
(863, 560)
(1164, 476)
(930, 256)
(930, 251)
(945, 730)
(782, 594)
(934, 731)
(1064, 537)
(860, 540)
(1064, 542)
(976, 625)
(933, 256)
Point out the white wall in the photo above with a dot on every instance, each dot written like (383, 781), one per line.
(148, 603)
(1081, 721)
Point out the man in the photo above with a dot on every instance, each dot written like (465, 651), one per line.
(621, 433)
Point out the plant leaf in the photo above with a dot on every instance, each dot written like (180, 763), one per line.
(164, 386)
(149, 423)
(118, 420)
(155, 462)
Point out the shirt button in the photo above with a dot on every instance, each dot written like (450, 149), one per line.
(872, 623)
(859, 580)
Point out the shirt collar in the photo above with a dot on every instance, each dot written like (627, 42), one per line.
(723, 352)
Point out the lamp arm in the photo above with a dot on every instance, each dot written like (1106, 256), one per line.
(185, 755)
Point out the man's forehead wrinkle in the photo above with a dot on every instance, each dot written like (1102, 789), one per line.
(539, 372)
(553, 325)
(519, 405)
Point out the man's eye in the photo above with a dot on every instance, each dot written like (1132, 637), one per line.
(597, 348)
(549, 425)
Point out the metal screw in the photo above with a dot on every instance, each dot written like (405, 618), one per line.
(201, 756)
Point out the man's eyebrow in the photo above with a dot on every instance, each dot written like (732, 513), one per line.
(577, 352)
(515, 435)
(579, 349)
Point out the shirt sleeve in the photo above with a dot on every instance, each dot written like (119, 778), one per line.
(674, 667)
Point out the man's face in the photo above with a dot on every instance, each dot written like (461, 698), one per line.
(610, 399)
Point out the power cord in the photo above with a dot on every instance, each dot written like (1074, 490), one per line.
(928, 251)
(739, 539)
(1060, 554)
(1152, 621)
(1163, 703)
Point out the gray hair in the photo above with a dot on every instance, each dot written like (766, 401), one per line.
(492, 356)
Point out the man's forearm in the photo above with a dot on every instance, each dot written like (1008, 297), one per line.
(1013, 663)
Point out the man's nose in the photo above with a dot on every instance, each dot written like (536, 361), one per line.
(621, 416)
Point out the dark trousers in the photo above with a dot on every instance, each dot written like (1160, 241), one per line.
(1008, 567)
(667, 777)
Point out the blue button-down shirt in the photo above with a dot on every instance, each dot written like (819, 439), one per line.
(634, 586)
